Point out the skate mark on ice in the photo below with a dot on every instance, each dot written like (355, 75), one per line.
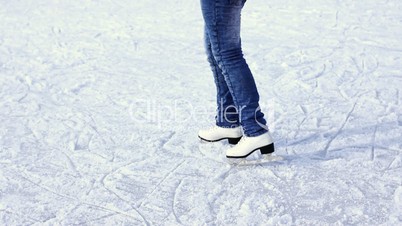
(117, 211)
(313, 73)
(117, 169)
(82, 141)
(21, 215)
(212, 151)
(301, 123)
(167, 139)
(71, 165)
(260, 161)
(372, 154)
(389, 166)
(81, 86)
(160, 182)
(367, 64)
(223, 175)
(114, 193)
(215, 197)
(95, 219)
(91, 187)
(174, 202)
(324, 153)
(130, 203)
(93, 126)
(311, 137)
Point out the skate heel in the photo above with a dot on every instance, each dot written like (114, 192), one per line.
(267, 149)
(234, 140)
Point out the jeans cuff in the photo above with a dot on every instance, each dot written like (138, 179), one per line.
(255, 134)
(227, 124)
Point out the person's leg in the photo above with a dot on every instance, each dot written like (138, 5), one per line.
(222, 20)
(226, 115)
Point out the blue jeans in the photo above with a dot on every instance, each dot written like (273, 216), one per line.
(237, 95)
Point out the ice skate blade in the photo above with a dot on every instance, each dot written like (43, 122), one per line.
(266, 150)
(232, 141)
(267, 158)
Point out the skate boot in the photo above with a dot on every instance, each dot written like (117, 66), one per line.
(217, 133)
(248, 145)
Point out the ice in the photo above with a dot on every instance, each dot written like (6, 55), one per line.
(101, 101)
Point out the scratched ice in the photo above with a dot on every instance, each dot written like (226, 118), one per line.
(100, 103)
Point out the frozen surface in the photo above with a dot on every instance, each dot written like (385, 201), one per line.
(78, 145)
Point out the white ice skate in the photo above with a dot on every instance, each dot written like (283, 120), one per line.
(217, 133)
(248, 145)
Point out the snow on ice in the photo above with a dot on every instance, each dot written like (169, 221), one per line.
(101, 101)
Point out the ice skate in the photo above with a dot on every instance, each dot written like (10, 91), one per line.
(248, 145)
(216, 133)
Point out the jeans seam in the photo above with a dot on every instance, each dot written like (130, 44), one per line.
(224, 69)
(230, 86)
(215, 30)
(216, 69)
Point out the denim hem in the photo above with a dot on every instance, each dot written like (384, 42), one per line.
(227, 125)
(256, 134)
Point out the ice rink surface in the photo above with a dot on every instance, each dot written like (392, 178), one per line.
(101, 101)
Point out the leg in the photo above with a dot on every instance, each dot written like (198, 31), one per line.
(227, 115)
(222, 19)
